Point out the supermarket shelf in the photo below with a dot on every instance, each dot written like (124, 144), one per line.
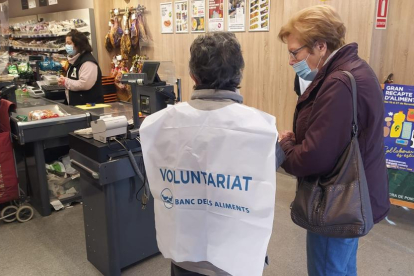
(84, 29)
(35, 36)
(47, 50)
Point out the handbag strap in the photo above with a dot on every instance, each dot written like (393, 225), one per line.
(354, 101)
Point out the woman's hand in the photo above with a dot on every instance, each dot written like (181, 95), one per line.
(61, 80)
(287, 134)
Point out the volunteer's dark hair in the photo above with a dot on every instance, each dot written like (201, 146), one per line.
(80, 41)
(216, 61)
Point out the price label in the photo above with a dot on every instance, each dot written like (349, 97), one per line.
(110, 24)
(116, 11)
(133, 16)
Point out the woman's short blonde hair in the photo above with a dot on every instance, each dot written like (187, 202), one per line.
(317, 23)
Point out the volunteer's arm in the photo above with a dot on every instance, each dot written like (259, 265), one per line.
(88, 75)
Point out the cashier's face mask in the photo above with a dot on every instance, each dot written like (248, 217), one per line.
(70, 50)
(303, 70)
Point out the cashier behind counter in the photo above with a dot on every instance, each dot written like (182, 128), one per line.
(83, 81)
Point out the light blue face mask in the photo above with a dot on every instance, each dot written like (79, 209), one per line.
(303, 70)
(70, 50)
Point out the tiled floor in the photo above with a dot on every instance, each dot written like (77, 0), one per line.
(55, 245)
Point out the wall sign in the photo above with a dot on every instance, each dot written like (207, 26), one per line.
(198, 16)
(399, 126)
(215, 15)
(181, 16)
(166, 18)
(382, 14)
(236, 16)
(259, 11)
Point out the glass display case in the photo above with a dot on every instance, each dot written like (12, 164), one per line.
(114, 109)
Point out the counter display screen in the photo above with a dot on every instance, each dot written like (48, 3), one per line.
(150, 68)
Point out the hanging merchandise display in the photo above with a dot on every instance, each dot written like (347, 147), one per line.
(127, 29)
(137, 63)
(134, 31)
(236, 15)
(166, 18)
(142, 25)
(181, 16)
(259, 15)
(109, 46)
(126, 38)
(117, 32)
(198, 16)
(119, 67)
(215, 15)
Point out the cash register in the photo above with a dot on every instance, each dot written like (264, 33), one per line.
(155, 94)
(51, 88)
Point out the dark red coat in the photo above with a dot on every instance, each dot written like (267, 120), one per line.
(323, 124)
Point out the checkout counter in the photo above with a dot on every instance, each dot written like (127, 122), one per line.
(119, 224)
(42, 141)
(118, 207)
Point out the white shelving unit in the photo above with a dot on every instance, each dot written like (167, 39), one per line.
(87, 15)
(85, 29)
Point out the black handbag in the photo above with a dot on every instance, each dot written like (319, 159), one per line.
(337, 204)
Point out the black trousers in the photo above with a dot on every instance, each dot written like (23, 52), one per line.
(178, 271)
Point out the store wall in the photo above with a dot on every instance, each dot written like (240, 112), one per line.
(392, 49)
(15, 7)
(268, 79)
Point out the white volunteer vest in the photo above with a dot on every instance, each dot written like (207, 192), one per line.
(212, 176)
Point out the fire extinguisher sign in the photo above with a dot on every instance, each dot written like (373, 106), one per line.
(382, 14)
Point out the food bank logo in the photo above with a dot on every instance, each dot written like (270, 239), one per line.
(167, 198)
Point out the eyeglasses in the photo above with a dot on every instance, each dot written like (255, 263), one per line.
(294, 53)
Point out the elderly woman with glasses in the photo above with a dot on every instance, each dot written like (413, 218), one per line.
(315, 39)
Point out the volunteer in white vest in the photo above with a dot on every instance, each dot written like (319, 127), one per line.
(211, 164)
